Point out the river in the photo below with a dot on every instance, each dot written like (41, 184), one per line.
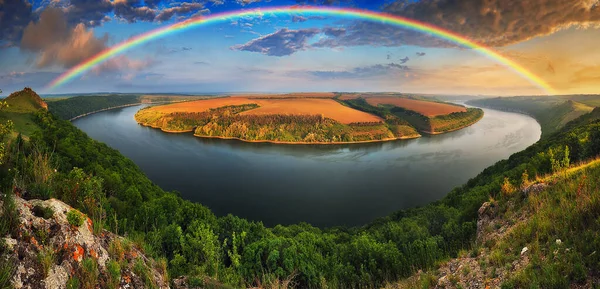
(324, 185)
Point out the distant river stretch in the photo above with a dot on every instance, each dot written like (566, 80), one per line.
(325, 185)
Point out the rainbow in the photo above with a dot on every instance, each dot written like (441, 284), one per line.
(317, 11)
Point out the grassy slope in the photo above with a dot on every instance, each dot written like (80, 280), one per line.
(552, 112)
(20, 106)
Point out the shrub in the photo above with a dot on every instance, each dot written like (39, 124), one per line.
(43, 212)
(75, 218)
(72, 283)
(116, 250)
(89, 273)
(9, 217)
(46, 257)
(140, 269)
(6, 273)
(113, 273)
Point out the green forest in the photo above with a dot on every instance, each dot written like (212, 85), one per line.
(75, 106)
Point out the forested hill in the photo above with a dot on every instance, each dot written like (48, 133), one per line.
(552, 112)
(60, 161)
(79, 105)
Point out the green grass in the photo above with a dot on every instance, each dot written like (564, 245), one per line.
(23, 123)
(568, 210)
(75, 218)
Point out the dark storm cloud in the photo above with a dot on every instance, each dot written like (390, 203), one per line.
(14, 17)
(89, 12)
(280, 43)
(356, 72)
(133, 11)
(501, 22)
(490, 22)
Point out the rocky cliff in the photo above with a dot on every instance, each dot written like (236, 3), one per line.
(50, 249)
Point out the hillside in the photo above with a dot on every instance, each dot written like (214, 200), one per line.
(25, 101)
(21, 104)
(540, 234)
(62, 162)
(552, 112)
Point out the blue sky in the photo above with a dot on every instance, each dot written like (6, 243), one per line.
(296, 52)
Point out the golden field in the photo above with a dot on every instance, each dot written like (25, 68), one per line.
(426, 108)
(270, 105)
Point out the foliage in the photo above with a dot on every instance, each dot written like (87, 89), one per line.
(89, 273)
(6, 273)
(9, 215)
(46, 257)
(113, 270)
(75, 218)
(80, 105)
(242, 253)
(73, 283)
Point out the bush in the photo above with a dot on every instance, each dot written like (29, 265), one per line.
(9, 218)
(43, 212)
(46, 257)
(113, 273)
(72, 283)
(89, 273)
(75, 218)
(6, 273)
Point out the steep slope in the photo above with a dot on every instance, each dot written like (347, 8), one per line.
(543, 235)
(25, 101)
(21, 105)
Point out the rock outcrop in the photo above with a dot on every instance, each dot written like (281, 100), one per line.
(48, 251)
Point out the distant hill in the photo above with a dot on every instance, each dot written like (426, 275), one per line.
(552, 112)
(25, 101)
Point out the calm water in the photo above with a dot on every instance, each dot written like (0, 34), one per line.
(322, 185)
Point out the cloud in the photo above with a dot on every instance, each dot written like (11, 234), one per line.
(247, 2)
(404, 60)
(361, 72)
(56, 43)
(14, 17)
(280, 43)
(201, 63)
(297, 18)
(132, 11)
(91, 13)
(181, 10)
(501, 22)
(421, 54)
